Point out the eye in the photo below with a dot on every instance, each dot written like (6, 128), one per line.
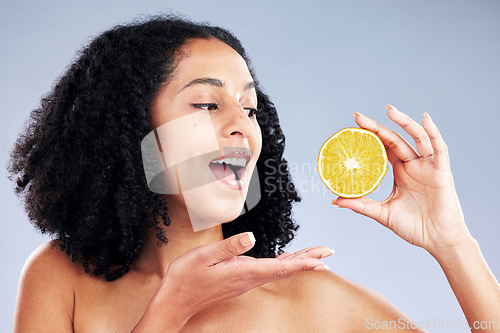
(207, 106)
(251, 112)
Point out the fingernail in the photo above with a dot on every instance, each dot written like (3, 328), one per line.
(327, 253)
(321, 268)
(426, 115)
(356, 114)
(389, 106)
(248, 239)
(334, 203)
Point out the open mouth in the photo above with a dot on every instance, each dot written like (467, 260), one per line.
(230, 168)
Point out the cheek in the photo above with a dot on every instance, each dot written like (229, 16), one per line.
(256, 141)
(187, 137)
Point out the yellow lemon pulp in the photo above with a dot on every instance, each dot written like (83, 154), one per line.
(352, 162)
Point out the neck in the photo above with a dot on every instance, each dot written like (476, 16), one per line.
(154, 259)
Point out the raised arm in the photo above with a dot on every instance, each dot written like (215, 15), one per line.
(424, 209)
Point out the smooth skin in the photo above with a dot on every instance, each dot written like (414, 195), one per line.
(200, 282)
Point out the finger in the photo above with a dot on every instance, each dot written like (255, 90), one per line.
(302, 251)
(439, 148)
(391, 139)
(284, 255)
(228, 248)
(411, 127)
(271, 269)
(392, 157)
(313, 252)
(364, 206)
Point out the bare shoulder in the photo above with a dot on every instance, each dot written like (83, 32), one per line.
(336, 304)
(49, 265)
(46, 295)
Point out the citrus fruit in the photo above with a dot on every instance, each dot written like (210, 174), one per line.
(352, 162)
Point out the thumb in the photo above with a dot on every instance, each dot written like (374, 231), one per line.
(363, 206)
(231, 247)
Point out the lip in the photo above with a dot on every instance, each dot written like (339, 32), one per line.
(235, 152)
(229, 179)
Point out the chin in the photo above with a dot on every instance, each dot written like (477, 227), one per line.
(208, 208)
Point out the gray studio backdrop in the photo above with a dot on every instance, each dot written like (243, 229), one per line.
(320, 61)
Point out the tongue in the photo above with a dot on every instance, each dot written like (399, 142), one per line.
(235, 171)
(222, 171)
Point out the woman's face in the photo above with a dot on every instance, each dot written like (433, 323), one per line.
(209, 135)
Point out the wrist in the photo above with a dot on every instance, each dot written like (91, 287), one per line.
(453, 253)
(165, 313)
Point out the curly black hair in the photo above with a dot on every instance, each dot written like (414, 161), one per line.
(77, 164)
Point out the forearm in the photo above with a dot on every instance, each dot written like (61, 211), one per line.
(476, 288)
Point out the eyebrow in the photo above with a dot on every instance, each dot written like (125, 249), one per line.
(213, 82)
(249, 86)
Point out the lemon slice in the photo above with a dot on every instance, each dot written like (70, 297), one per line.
(352, 162)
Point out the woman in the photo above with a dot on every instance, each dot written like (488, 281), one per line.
(136, 263)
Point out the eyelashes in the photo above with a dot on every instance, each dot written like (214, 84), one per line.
(207, 106)
(214, 106)
(251, 112)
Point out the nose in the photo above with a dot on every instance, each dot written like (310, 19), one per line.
(237, 122)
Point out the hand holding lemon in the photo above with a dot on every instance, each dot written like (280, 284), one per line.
(423, 207)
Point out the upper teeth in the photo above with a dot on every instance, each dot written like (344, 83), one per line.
(234, 161)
